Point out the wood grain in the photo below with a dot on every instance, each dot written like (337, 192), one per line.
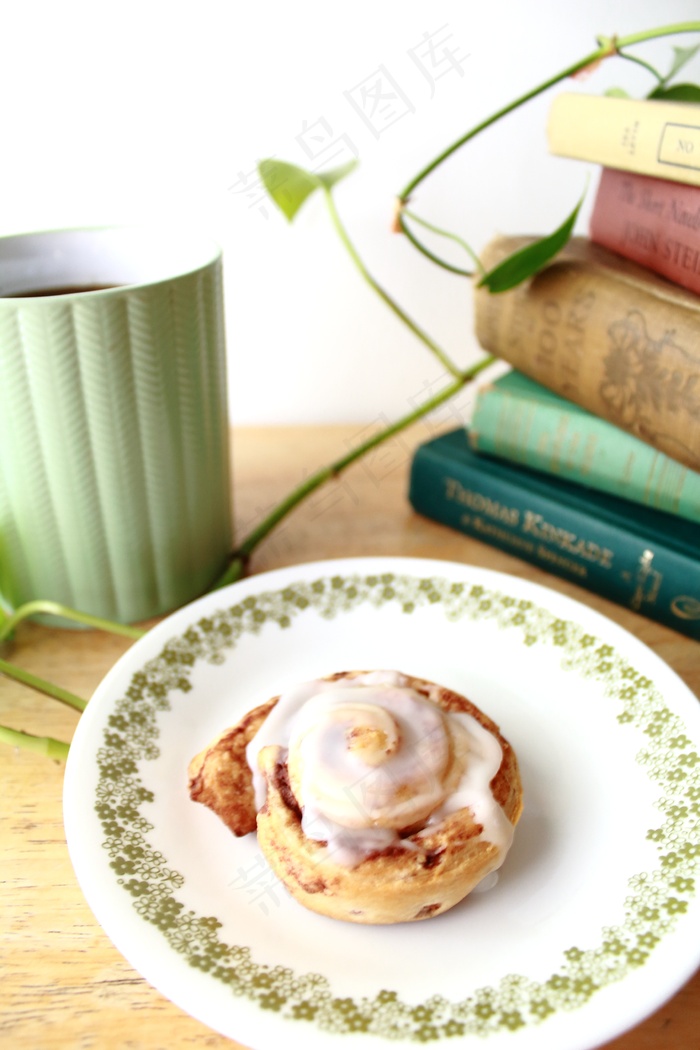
(63, 983)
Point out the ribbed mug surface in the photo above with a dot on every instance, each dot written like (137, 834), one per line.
(114, 446)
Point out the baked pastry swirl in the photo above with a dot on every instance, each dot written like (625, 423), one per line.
(377, 797)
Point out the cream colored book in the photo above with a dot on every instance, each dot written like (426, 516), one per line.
(641, 135)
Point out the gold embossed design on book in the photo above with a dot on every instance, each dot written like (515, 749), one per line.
(608, 335)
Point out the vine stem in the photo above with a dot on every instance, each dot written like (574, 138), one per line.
(646, 65)
(607, 48)
(383, 295)
(450, 236)
(56, 692)
(333, 470)
(45, 607)
(47, 746)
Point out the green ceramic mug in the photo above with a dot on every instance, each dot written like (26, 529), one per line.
(115, 488)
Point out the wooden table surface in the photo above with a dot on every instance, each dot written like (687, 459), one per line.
(63, 983)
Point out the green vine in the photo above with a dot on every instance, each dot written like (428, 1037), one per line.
(289, 187)
(46, 745)
(608, 47)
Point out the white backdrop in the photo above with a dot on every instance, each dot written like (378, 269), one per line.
(160, 111)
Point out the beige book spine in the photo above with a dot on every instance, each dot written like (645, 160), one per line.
(638, 135)
(608, 335)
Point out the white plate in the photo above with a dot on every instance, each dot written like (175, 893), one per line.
(594, 921)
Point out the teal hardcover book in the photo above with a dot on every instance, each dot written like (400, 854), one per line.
(640, 558)
(517, 419)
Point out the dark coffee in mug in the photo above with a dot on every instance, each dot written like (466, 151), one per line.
(68, 289)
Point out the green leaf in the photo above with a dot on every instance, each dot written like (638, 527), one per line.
(682, 55)
(289, 186)
(615, 92)
(528, 261)
(677, 93)
(330, 178)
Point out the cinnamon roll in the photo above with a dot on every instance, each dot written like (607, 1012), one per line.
(377, 797)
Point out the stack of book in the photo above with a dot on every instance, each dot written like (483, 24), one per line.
(585, 458)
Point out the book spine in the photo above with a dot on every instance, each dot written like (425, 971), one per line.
(651, 137)
(482, 501)
(652, 221)
(552, 436)
(606, 334)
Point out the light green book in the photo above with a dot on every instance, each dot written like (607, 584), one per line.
(519, 420)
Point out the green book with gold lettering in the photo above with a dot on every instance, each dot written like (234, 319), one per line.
(638, 557)
(518, 419)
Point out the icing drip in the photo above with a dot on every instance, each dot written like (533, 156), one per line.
(371, 760)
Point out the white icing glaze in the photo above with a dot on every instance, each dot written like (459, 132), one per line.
(276, 728)
(369, 758)
(483, 760)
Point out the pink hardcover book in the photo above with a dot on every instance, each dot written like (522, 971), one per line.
(651, 221)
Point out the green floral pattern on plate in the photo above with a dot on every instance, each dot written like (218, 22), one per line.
(655, 900)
